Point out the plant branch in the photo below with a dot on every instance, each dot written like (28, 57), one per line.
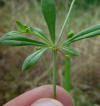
(54, 72)
(65, 22)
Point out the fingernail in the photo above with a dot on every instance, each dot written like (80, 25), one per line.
(47, 102)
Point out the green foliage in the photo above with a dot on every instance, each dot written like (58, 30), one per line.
(65, 22)
(89, 30)
(24, 27)
(33, 59)
(49, 12)
(32, 30)
(16, 38)
(87, 33)
(70, 51)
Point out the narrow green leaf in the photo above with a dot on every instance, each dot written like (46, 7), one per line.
(21, 25)
(14, 43)
(49, 12)
(33, 59)
(88, 30)
(87, 33)
(32, 30)
(70, 51)
(19, 40)
(65, 22)
(13, 33)
(38, 32)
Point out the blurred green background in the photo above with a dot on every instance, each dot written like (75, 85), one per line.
(85, 70)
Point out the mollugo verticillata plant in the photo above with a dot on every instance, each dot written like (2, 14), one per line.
(16, 38)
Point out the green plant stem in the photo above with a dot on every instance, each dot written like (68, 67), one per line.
(54, 73)
(65, 22)
(67, 74)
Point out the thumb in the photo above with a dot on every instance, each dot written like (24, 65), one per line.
(47, 102)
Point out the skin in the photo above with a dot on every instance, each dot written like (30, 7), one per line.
(30, 97)
(47, 102)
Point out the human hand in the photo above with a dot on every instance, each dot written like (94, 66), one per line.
(41, 97)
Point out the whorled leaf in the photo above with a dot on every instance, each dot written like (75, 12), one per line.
(89, 30)
(33, 59)
(21, 25)
(32, 30)
(70, 51)
(49, 12)
(12, 33)
(87, 33)
(39, 33)
(14, 39)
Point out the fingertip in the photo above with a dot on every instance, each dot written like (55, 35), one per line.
(31, 96)
(47, 102)
(61, 95)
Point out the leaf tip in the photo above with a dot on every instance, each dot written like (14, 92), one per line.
(17, 22)
(23, 68)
